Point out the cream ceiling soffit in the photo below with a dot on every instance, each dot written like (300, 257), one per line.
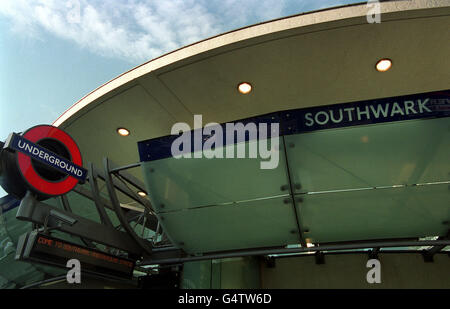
(306, 19)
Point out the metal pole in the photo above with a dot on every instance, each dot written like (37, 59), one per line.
(292, 193)
(125, 167)
(384, 244)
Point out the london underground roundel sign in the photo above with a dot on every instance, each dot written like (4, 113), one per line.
(48, 159)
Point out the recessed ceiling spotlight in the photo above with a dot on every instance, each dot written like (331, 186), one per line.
(123, 132)
(142, 193)
(245, 88)
(383, 65)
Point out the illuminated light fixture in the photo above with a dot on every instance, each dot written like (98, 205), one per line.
(142, 193)
(383, 65)
(245, 88)
(123, 132)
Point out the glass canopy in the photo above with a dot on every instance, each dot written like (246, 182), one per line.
(379, 179)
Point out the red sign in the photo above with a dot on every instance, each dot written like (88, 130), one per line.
(32, 177)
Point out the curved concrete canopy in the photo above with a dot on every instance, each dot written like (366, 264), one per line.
(313, 59)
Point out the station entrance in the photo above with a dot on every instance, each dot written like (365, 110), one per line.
(342, 194)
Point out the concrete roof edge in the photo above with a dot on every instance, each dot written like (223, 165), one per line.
(242, 34)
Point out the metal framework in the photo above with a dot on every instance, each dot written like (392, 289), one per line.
(50, 218)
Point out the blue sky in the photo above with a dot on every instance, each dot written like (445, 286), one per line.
(53, 52)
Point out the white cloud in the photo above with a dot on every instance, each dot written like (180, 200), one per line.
(134, 30)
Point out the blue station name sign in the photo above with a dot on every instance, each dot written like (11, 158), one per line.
(419, 106)
(303, 120)
(46, 156)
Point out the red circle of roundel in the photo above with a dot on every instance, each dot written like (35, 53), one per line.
(32, 177)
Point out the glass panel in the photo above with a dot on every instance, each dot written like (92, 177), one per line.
(113, 217)
(12, 228)
(415, 211)
(410, 152)
(261, 223)
(142, 232)
(55, 202)
(186, 183)
(83, 206)
(15, 274)
(202, 200)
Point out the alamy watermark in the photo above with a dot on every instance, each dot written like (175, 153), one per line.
(74, 274)
(74, 11)
(374, 274)
(219, 141)
(374, 14)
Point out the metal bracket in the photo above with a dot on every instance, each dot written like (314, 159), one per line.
(96, 195)
(270, 261)
(373, 254)
(46, 230)
(50, 217)
(319, 257)
(144, 244)
(427, 257)
(428, 254)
